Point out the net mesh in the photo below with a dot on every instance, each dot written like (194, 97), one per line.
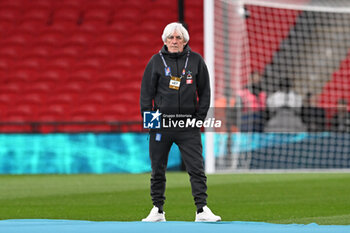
(282, 76)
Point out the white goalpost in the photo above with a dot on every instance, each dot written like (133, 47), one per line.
(280, 76)
(209, 54)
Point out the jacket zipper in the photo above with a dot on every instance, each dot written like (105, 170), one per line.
(178, 93)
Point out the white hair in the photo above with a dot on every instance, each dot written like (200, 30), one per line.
(175, 27)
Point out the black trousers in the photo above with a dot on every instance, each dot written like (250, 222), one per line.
(190, 145)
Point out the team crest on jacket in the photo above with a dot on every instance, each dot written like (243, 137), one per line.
(189, 79)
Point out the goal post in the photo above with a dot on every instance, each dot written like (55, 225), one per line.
(281, 71)
(209, 55)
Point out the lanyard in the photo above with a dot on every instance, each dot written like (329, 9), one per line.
(166, 66)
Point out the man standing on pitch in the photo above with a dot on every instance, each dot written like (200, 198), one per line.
(176, 81)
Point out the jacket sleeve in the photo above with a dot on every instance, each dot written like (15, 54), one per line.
(203, 90)
(148, 88)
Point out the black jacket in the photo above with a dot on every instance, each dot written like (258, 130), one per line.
(191, 98)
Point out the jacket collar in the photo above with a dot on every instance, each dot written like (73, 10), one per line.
(165, 51)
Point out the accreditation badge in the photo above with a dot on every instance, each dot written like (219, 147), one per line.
(174, 83)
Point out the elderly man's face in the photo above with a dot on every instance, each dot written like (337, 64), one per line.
(175, 43)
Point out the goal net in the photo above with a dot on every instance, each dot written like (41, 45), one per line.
(282, 77)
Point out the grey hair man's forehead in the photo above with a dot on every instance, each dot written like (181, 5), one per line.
(176, 31)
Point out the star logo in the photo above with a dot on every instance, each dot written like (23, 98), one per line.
(151, 120)
(156, 115)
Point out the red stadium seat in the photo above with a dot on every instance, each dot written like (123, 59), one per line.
(7, 99)
(128, 97)
(6, 64)
(10, 13)
(93, 26)
(67, 50)
(33, 26)
(59, 110)
(52, 75)
(122, 112)
(89, 63)
(114, 113)
(30, 62)
(65, 18)
(79, 128)
(145, 37)
(49, 122)
(115, 75)
(139, 4)
(100, 51)
(70, 3)
(6, 27)
(61, 96)
(63, 63)
(82, 75)
(24, 75)
(21, 113)
(12, 88)
(50, 38)
(85, 112)
(17, 38)
(121, 26)
(19, 127)
(101, 14)
(96, 98)
(41, 87)
(99, 86)
(160, 14)
(111, 38)
(71, 86)
(40, 51)
(47, 4)
(36, 13)
(64, 27)
(80, 38)
(10, 4)
(49, 117)
(34, 99)
(127, 13)
(66, 13)
(149, 26)
(110, 4)
(11, 51)
(136, 49)
(125, 64)
(165, 3)
(53, 116)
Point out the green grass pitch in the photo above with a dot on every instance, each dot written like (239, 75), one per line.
(322, 198)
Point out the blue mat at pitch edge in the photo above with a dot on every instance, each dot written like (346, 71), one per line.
(75, 226)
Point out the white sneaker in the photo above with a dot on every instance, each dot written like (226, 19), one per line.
(207, 216)
(155, 216)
